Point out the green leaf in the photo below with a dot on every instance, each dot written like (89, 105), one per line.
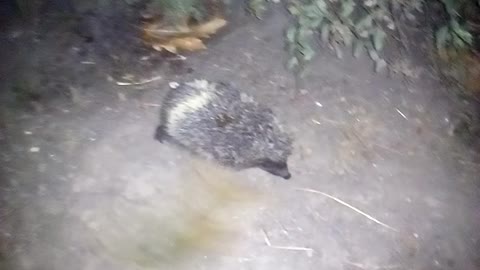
(458, 42)
(317, 22)
(292, 63)
(464, 35)
(338, 51)
(293, 10)
(441, 37)
(291, 32)
(325, 33)
(347, 9)
(257, 7)
(380, 64)
(358, 48)
(378, 39)
(312, 11)
(364, 23)
(450, 6)
(307, 52)
(346, 35)
(455, 25)
(373, 54)
(304, 21)
(322, 6)
(303, 35)
(363, 34)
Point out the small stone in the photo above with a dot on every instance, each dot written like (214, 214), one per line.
(173, 85)
(34, 149)
(316, 122)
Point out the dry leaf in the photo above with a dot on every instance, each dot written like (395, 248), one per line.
(209, 28)
(185, 44)
(174, 39)
(157, 30)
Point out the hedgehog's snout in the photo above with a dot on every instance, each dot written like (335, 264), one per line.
(276, 168)
(284, 173)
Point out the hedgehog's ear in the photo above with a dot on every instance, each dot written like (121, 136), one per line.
(276, 168)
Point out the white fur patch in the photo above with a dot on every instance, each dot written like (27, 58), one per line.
(199, 84)
(190, 104)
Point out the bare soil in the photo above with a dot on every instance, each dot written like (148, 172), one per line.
(85, 186)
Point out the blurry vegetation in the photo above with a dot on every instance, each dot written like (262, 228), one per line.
(344, 26)
(258, 7)
(360, 26)
(363, 26)
(455, 33)
(457, 42)
(28, 8)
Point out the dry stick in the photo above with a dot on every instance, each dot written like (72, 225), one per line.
(139, 82)
(151, 104)
(309, 251)
(349, 206)
(362, 266)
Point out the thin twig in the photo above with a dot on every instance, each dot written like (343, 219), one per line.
(139, 82)
(178, 57)
(401, 113)
(309, 251)
(152, 104)
(374, 267)
(388, 149)
(349, 206)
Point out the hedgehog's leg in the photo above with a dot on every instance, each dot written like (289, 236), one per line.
(161, 134)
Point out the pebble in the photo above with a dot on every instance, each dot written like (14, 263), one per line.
(173, 85)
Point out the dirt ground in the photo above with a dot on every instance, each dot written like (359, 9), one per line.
(379, 181)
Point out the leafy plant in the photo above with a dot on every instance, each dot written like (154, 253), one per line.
(407, 8)
(259, 7)
(359, 25)
(28, 8)
(453, 34)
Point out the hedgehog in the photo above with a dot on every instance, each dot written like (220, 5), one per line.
(216, 121)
